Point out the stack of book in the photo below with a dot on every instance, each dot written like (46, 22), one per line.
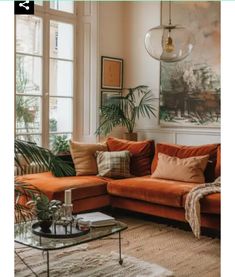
(97, 219)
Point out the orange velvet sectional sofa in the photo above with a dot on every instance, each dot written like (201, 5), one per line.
(140, 193)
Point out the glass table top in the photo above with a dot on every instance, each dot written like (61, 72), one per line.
(24, 235)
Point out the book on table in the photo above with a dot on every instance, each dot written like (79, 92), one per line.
(97, 219)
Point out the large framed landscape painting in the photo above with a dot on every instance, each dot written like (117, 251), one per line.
(190, 89)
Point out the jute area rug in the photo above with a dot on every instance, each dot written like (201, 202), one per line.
(156, 244)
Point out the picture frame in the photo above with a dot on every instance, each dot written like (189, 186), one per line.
(111, 73)
(107, 95)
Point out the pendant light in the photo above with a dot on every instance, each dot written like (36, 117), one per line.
(169, 43)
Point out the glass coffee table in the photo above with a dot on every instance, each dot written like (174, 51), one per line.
(25, 236)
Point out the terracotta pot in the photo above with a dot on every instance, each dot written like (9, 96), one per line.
(45, 225)
(130, 136)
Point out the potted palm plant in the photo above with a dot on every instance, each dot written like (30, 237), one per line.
(123, 110)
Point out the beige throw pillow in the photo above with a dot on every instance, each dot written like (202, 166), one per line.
(186, 170)
(84, 159)
(114, 164)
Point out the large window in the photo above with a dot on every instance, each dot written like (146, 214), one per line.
(45, 65)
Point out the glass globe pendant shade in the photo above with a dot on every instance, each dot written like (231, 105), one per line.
(169, 43)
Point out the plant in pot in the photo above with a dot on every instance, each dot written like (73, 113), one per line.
(60, 145)
(123, 111)
(45, 210)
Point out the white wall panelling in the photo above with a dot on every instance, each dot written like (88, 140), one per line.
(181, 136)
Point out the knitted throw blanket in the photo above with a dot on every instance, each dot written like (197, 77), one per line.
(192, 204)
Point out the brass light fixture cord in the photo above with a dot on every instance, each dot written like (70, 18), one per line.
(169, 12)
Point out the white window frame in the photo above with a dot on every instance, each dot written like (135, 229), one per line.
(48, 14)
(86, 97)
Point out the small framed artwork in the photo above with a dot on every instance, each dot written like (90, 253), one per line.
(111, 73)
(108, 97)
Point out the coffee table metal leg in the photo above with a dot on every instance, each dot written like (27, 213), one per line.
(48, 266)
(120, 249)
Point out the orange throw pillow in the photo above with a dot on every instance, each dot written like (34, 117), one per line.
(186, 169)
(184, 151)
(141, 154)
(84, 158)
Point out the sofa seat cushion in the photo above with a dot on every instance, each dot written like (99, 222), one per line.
(160, 191)
(82, 186)
(210, 204)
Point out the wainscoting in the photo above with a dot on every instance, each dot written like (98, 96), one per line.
(181, 136)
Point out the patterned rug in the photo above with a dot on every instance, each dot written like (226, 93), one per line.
(172, 248)
(77, 262)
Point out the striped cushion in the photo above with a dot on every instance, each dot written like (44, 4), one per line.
(113, 164)
(29, 169)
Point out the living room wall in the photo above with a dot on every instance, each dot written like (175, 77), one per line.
(122, 27)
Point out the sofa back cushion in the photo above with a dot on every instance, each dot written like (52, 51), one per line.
(113, 164)
(186, 169)
(142, 153)
(84, 159)
(183, 151)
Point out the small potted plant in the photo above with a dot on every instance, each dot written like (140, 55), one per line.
(60, 145)
(125, 109)
(45, 210)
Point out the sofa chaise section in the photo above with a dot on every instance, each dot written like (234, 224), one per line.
(88, 192)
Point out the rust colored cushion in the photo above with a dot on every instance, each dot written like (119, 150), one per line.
(84, 159)
(186, 170)
(159, 191)
(218, 162)
(183, 151)
(82, 186)
(142, 153)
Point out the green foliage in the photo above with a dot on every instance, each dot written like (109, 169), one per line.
(44, 208)
(124, 110)
(53, 124)
(60, 144)
(25, 106)
(26, 192)
(33, 153)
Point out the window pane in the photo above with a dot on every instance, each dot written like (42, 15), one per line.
(57, 141)
(40, 3)
(28, 74)
(61, 78)
(61, 111)
(29, 34)
(65, 6)
(28, 114)
(61, 40)
(32, 138)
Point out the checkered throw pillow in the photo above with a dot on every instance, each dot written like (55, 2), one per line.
(113, 164)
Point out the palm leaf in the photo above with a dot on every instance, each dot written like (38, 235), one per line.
(23, 194)
(33, 153)
(123, 110)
